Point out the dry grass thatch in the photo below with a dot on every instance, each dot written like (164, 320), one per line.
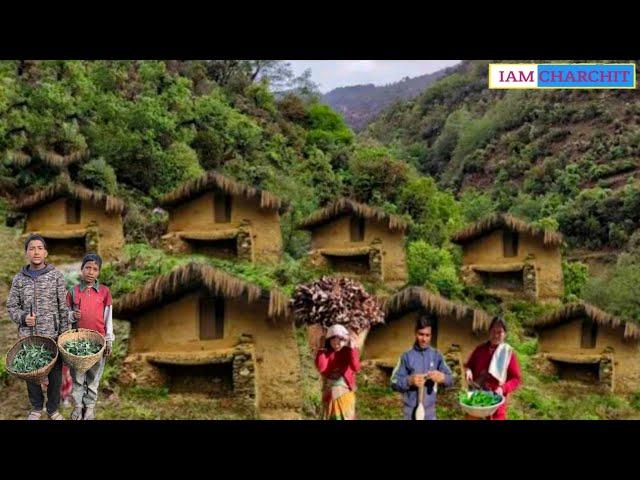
(49, 157)
(18, 158)
(185, 278)
(579, 309)
(59, 234)
(61, 161)
(411, 297)
(345, 252)
(502, 220)
(226, 234)
(211, 180)
(62, 187)
(345, 206)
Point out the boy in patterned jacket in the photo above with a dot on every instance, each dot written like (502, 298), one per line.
(37, 304)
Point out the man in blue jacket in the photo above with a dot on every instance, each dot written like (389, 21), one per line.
(422, 365)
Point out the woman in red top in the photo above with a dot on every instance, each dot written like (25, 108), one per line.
(338, 364)
(479, 366)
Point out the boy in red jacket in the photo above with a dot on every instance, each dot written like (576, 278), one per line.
(90, 307)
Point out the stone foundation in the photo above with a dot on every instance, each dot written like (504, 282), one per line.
(145, 369)
(172, 243)
(376, 264)
(245, 242)
(606, 374)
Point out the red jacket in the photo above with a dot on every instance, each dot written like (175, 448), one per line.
(479, 362)
(345, 362)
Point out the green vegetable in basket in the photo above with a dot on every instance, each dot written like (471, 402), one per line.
(479, 398)
(30, 358)
(82, 348)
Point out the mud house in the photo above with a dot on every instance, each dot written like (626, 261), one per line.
(458, 328)
(511, 258)
(358, 239)
(74, 220)
(580, 341)
(200, 329)
(217, 216)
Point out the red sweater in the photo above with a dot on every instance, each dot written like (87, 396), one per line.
(345, 362)
(479, 362)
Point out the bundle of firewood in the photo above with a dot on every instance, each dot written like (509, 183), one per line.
(332, 300)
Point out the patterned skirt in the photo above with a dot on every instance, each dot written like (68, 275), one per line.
(339, 401)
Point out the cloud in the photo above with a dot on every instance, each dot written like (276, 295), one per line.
(330, 74)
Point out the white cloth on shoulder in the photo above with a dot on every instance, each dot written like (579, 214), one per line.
(500, 362)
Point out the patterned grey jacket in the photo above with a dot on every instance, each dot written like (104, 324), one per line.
(45, 291)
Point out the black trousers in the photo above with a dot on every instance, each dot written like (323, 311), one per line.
(36, 397)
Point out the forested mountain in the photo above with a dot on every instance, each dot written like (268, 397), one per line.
(360, 104)
(570, 157)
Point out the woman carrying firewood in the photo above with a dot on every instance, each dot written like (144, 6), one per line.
(338, 362)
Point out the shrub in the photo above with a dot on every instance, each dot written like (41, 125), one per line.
(433, 268)
(99, 175)
(575, 275)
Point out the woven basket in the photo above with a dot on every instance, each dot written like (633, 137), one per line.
(81, 364)
(36, 376)
(481, 412)
(315, 332)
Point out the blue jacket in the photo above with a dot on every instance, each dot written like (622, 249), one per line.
(415, 361)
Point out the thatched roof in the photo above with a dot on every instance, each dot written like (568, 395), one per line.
(344, 206)
(504, 220)
(189, 277)
(223, 234)
(213, 180)
(418, 297)
(64, 187)
(579, 309)
(49, 157)
(345, 252)
(18, 157)
(59, 161)
(59, 234)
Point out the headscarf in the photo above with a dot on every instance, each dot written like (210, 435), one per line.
(337, 330)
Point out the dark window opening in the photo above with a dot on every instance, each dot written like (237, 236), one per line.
(66, 247)
(226, 249)
(222, 207)
(357, 229)
(211, 318)
(509, 281)
(73, 207)
(589, 334)
(215, 380)
(510, 240)
(358, 264)
(582, 372)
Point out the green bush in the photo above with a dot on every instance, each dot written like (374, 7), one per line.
(433, 268)
(97, 174)
(435, 213)
(476, 205)
(575, 275)
(327, 128)
(374, 175)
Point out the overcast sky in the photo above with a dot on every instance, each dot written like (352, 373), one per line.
(330, 74)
